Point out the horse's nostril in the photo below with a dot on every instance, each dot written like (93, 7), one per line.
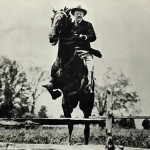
(51, 40)
(50, 36)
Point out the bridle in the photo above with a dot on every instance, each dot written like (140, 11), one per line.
(64, 39)
(61, 17)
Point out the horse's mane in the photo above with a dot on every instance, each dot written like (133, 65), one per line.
(68, 21)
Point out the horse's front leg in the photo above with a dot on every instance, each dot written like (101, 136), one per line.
(52, 88)
(86, 132)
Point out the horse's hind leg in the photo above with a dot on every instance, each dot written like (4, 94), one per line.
(86, 105)
(67, 113)
(70, 127)
(86, 132)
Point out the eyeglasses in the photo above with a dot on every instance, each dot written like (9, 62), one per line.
(78, 13)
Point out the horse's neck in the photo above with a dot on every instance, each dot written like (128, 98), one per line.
(65, 46)
(65, 52)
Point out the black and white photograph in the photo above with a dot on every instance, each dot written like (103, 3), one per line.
(74, 74)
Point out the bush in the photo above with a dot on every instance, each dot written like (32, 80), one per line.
(59, 135)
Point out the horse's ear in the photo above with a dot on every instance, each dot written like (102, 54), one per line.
(68, 11)
(65, 8)
(54, 11)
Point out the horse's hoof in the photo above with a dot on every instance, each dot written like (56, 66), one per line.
(71, 142)
(55, 94)
(86, 143)
(121, 147)
(78, 144)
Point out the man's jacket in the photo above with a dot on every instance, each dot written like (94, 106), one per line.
(84, 28)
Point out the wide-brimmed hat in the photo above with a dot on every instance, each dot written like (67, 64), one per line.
(78, 8)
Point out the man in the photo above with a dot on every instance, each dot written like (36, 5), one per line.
(84, 33)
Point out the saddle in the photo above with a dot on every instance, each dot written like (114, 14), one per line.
(94, 52)
(58, 74)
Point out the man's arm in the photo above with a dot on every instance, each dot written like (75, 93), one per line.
(90, 37)
(91, 33)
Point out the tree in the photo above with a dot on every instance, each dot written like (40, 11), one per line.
(124, 97)
(100, 96)
(13, 85)
(42, 112)
(36, 77)
(146, 123)
(127, 123)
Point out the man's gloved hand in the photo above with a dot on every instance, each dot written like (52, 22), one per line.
(83, 37)
(78, 37)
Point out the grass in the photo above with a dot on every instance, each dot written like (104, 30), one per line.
(59, 135)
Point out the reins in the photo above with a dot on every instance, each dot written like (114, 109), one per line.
(69, 62)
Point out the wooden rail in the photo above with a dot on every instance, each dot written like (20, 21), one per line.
(65, 121)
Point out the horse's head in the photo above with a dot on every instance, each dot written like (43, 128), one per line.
(59, 24)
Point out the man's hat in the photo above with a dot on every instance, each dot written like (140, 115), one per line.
(78, 8)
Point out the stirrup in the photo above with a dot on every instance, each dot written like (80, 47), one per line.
(88, 89)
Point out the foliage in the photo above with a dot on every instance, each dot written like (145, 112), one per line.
(14, 89)
(59, 135)
(36, 77)
(42, 112)
(124, 97)
(127, 123)
(146, 124)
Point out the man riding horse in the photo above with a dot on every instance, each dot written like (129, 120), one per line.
(72, 72)
(83, 33)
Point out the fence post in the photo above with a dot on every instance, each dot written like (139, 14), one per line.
(109, 117)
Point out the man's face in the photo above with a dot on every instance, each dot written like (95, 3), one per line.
(78, 16)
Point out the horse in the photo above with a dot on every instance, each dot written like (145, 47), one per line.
(69, 71)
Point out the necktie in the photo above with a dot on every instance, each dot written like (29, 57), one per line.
(77, 24)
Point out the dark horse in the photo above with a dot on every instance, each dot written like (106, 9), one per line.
(69, 71)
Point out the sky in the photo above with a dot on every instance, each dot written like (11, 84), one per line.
(123, 35)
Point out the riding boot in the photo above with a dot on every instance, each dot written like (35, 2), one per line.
(89, 87)
(55, 94)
